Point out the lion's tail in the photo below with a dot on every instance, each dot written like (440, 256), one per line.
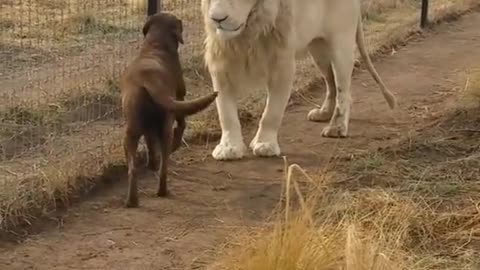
(360, 37)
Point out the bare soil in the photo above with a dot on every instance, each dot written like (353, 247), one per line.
(214, 199)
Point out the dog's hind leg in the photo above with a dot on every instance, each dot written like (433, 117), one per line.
(178, 133)
(153, 144)
(130, 144)
(165, 150)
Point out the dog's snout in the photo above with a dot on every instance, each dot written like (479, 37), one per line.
(219, 19)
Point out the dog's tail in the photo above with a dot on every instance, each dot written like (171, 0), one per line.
(182, 108)
(154, 84)
(186, 108)
(363, 52)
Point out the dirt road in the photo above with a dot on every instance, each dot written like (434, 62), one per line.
(211, 199)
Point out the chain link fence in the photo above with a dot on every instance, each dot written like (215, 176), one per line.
(59, 67)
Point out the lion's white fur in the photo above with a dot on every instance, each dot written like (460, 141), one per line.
(266, 34)
(254, 44)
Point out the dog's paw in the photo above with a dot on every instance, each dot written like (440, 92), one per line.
(131, 203)
(163, 193)
(319, 115)
(224, 151)
(265, 149)
(153, 165)
(335, 131)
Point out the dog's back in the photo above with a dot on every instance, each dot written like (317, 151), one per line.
(139, 108)
(159, 74)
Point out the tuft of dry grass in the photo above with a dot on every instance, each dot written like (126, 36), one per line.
(36, 186)
(471, 93)
(372, 9)
(47, 155)
(328, 231)
(358, 230)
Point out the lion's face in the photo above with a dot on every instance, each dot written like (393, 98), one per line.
(228, 17)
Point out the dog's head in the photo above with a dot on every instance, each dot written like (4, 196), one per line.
(164, 25)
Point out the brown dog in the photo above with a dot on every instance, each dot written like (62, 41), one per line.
(153, 91)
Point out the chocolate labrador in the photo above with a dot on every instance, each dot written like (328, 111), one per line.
(153, 92)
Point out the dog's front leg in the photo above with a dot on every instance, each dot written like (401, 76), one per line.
(231, 144)
(280, 83)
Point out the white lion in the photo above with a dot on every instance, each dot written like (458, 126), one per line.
(254, 44)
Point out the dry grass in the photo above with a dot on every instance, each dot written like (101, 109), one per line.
(471, 93)
(57, 31)
(373, 9)
(37, 185)
(51, 24)
(347, 227)
(51, 151)
(330, 231)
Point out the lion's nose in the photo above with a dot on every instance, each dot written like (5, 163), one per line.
(219, 19)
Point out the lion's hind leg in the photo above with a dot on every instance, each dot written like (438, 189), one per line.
(343, 56)
(322, 56)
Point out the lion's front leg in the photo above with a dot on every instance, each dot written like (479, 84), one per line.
(280, 83)
(231, 144)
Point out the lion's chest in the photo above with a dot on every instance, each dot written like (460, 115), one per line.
(249, 66)
(252, 72)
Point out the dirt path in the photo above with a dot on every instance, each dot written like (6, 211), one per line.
(211, 199)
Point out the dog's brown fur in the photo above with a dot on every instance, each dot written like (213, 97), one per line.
(153, 91)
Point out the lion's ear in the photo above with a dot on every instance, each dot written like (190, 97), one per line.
(147, 25)
(178, 30)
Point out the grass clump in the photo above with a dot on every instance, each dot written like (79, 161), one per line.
(471, 93)
(363, 229)
(328, 231)
(373, 9)
(87, 24)
(25, 126)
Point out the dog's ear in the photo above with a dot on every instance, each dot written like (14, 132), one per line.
(147, 25)
(178, 30)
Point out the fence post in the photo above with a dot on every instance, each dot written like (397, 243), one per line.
(153, 6)
(424, 17)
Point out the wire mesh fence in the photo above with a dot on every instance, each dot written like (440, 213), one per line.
(59, 65)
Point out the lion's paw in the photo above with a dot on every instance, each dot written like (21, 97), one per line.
(224, 151)
(337, 131)
(265, 149)
(319, 115)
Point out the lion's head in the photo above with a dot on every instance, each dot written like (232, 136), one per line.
(229, 18)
